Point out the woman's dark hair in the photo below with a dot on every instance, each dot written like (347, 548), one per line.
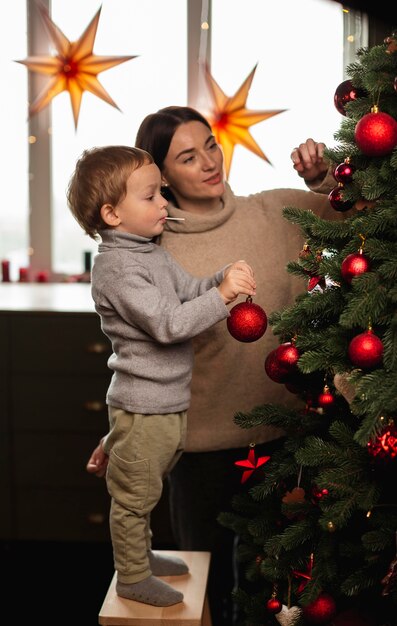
(157, 130)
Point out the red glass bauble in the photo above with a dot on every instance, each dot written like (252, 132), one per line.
(376, 134)
(335, 198)
(247, 321)
(343, 173)
(344, 93)
(287, 355)
(276, 372)
(321, 610)
(319, 494)
(326, 398)
(274, 606)
(366, 350)
(354, 265)
(384, 446)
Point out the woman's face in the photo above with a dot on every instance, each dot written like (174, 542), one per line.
(193, 167)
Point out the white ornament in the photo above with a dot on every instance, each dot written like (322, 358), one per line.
(288, 617)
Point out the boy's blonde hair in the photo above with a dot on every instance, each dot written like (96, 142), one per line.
(100, 177)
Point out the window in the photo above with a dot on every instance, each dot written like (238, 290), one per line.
(299, 65)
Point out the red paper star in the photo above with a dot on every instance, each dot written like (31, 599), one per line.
(252, 462)
(230, 119)
(73, 69)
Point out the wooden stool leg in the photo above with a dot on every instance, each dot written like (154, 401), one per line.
(207, 621)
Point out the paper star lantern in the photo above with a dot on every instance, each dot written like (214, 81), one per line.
(252, 463)
(230, 119)
(73, 69)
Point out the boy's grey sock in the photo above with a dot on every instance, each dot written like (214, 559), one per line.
(166, 565)
(150, 591)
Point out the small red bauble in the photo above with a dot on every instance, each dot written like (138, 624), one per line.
(366, 350)
(376, 134)
(344, 172)
(384, 446)
(336, 200)
(354, 265)
(326, 398)
(247, 321)
(287, 355)
(276, 372)
(344, 93)
(274, 606)
(321, 610)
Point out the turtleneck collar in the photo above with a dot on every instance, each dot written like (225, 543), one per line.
(196, 222)
(115, 239)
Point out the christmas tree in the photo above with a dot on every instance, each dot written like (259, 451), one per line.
(318, 522)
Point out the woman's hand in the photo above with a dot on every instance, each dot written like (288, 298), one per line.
(308, 160)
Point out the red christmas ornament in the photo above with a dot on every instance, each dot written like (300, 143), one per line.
(252, 463)
(247, 321)
(344, 93)
(319, 494)
(305, 576)
(287, 355)
(366, 350)
(277, 373)
(344, 172)
(315, 281)
(376, 133)
(384, 446)
(321, 610)
(274, 606)
(326, 398)
(354, 265)
(336, 200)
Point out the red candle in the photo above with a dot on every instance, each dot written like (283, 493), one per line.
(42, 277)
(5, 271)
(23, 274)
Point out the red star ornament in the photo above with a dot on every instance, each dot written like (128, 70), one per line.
(230, 119)
(73, 69)
(252, 463)
(306, 576)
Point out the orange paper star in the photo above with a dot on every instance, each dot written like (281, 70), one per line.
(73, 69)
(230, 119)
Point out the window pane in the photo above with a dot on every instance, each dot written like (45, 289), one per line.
(298, 47)
(155, 32)
(14, 136)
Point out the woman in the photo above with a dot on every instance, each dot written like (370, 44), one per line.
(228, 375)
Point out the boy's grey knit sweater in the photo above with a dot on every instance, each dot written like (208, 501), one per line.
(150, 308)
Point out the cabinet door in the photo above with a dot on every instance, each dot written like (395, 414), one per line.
(49, 343)
(6, 524)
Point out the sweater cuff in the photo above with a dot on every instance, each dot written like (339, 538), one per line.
(323, 185)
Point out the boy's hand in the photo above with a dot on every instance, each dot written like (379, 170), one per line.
(308, 160)
(238, 278)
(98, 461)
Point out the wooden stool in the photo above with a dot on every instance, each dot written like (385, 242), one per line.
(193, 611)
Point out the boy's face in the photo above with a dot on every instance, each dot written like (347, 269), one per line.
(143, 210)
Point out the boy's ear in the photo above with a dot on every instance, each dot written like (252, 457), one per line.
(109, 215)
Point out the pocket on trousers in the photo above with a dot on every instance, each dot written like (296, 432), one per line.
(128, 481)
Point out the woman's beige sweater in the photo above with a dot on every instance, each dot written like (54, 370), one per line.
(228, 375)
